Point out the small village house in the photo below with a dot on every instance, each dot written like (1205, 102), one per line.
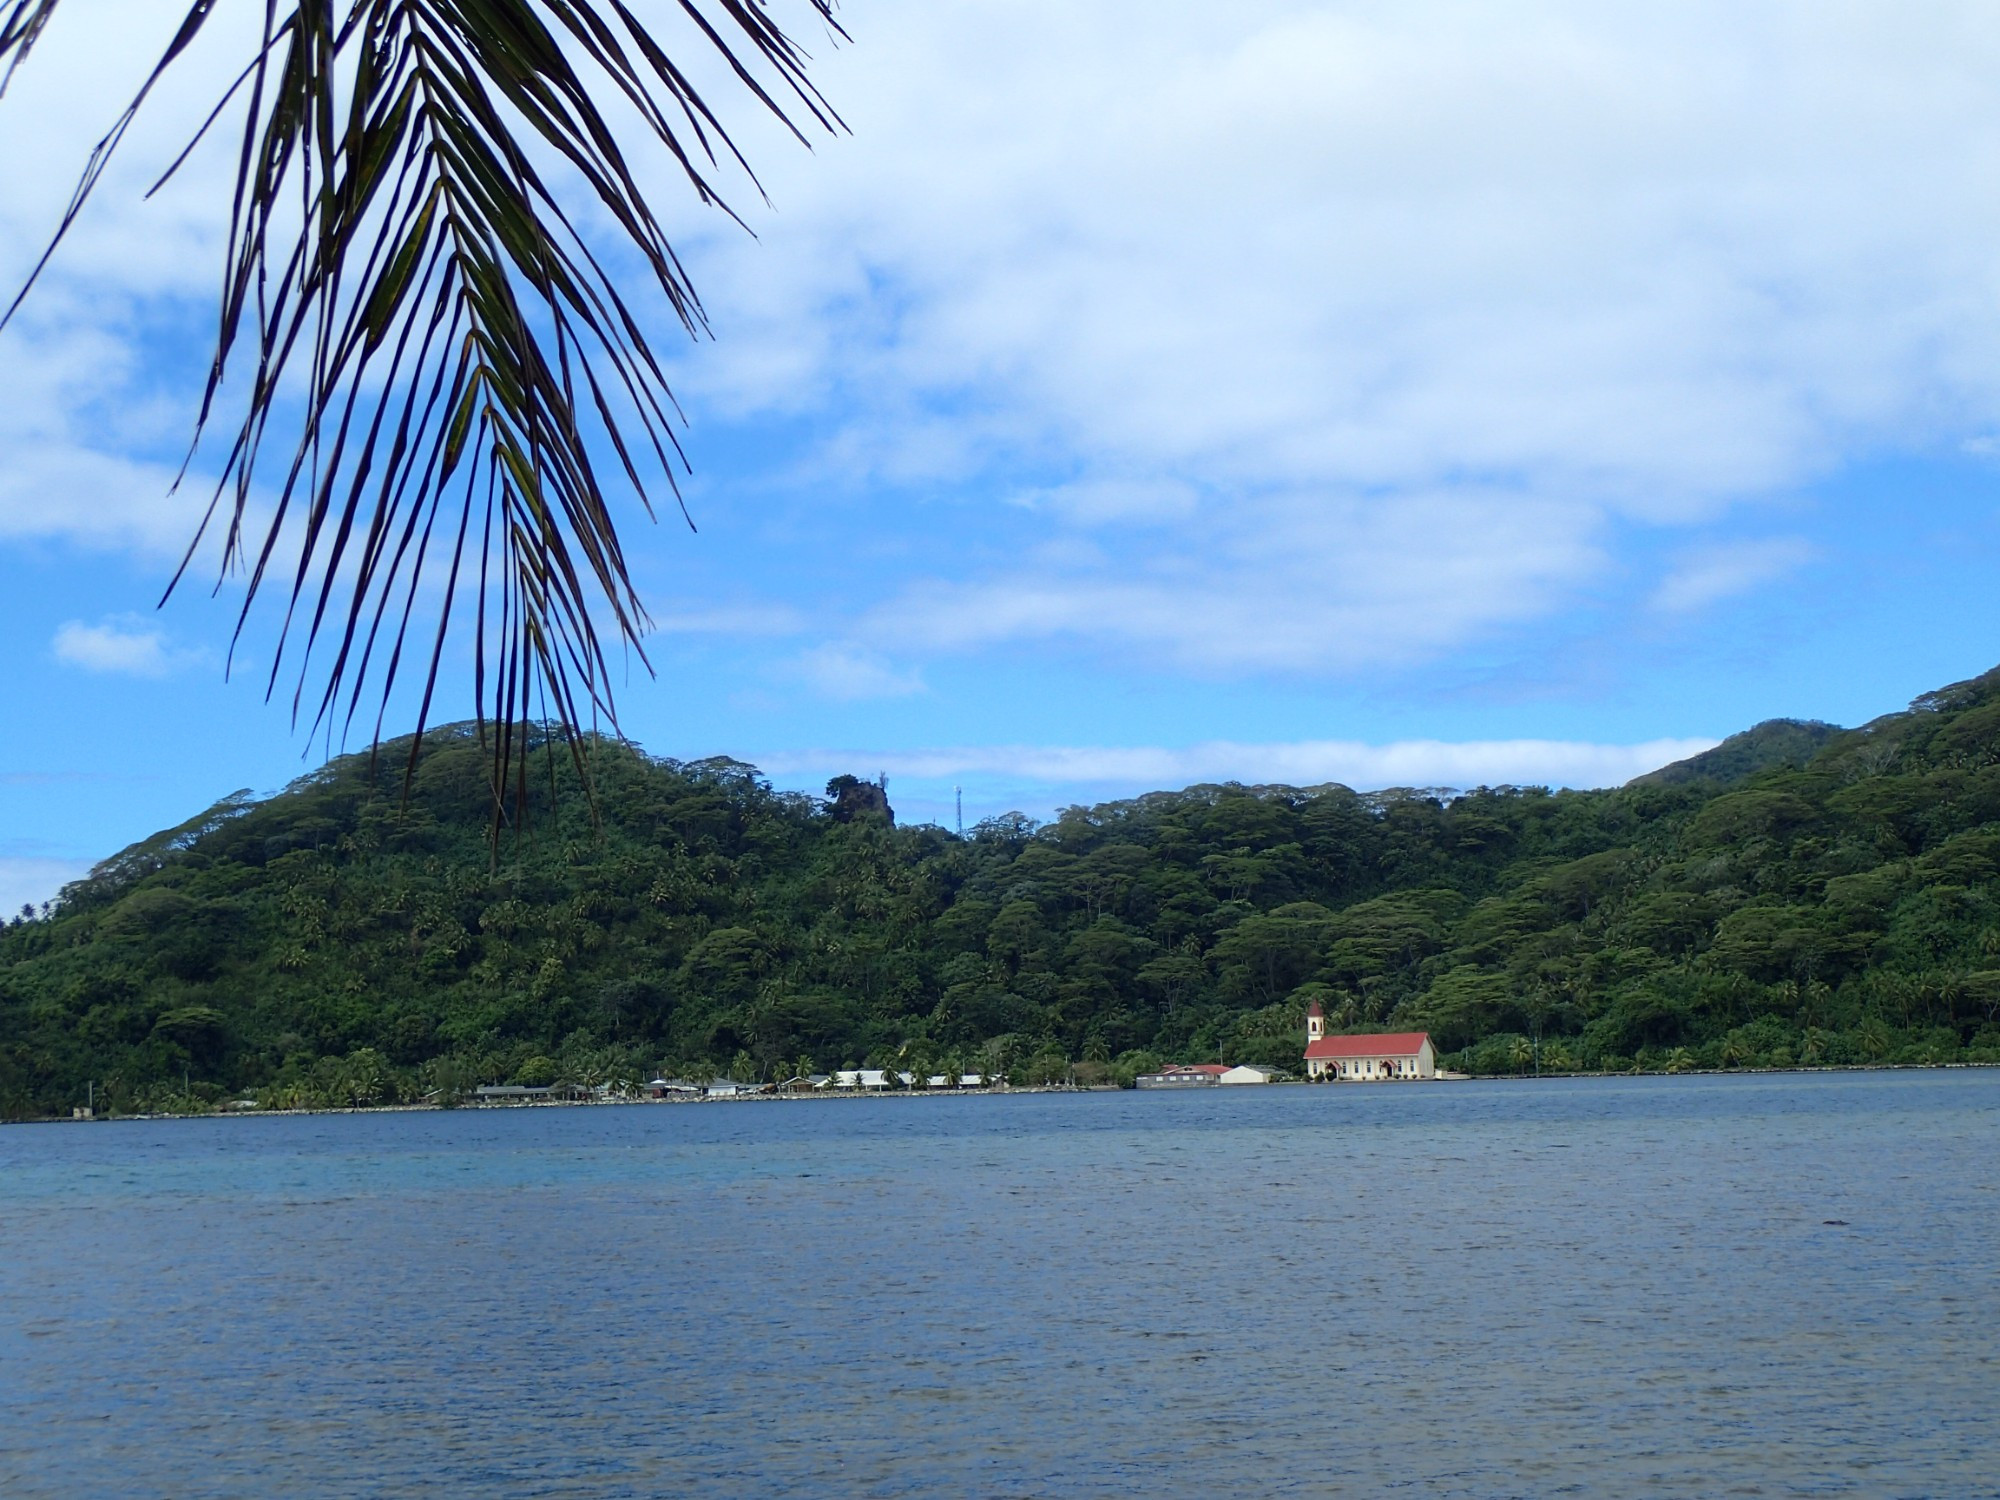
(1391, 1055)
(1182, 1076)
(516, 1093)
(860, 1078)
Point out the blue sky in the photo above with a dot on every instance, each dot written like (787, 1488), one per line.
(1405, 394)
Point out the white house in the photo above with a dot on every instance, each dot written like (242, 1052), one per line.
(1248, 1073)
(861, 1078)
(1400, 1054)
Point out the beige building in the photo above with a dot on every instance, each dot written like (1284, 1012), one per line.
(1388, 1055)
(1248, 1073)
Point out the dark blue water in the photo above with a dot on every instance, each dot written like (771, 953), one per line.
(1589, 1287)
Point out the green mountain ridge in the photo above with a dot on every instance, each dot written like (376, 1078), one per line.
(1799, 894)
(1773, 744)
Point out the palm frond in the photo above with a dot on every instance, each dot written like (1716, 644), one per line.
(399, 252)
(21, 25)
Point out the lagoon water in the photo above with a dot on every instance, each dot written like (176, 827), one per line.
(1768, 1285)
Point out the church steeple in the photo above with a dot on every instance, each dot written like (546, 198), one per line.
(1315, 1022)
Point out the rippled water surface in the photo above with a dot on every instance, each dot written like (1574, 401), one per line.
(1776, 1285)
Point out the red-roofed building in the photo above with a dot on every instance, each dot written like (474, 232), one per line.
(1398, 1054)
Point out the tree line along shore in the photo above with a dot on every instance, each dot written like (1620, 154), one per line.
(272, 1103)
(1801, 896)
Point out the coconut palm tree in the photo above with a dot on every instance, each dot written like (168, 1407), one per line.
(587, 1069)
(359, 1079)
(1875, 1038)
(432, 360)
(1520, 1052)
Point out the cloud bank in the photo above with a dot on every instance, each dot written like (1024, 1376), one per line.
(1279, 337)
(1337, 336)
(1418, 763)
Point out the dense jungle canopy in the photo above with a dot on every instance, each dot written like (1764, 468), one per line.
(1799, 895)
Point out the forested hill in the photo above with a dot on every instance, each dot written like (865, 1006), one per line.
(1837, 900)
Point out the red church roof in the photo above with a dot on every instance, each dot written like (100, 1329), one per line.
(1387, 1044)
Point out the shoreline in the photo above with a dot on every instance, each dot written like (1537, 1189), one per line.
(857, 1094)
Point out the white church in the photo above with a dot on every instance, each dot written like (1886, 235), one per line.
(1398, 1054)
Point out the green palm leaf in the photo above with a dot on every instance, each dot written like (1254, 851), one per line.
(400, 252)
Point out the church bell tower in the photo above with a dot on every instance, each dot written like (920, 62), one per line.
(1315, 1023)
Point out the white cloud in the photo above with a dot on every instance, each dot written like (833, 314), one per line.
(123, 646)
(1384, 319)
(848, 674)
(1311, 266)
(1286, 583)
(1709, 575)
(100, 370)
(1303, 763)
(77, 423)
(83, 70)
